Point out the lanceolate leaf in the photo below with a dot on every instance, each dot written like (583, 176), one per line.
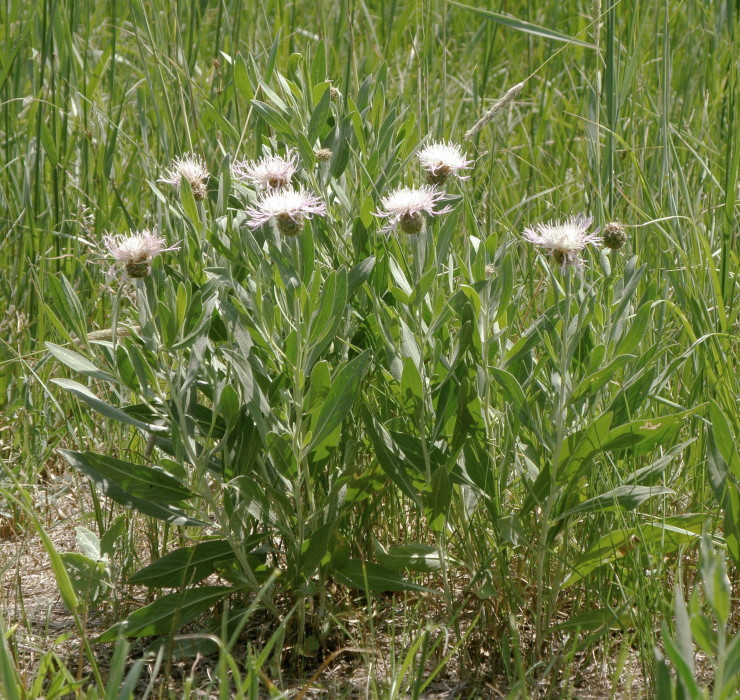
(165, 512)
(389, 455)
(624, 497)
(137, 479)
(167, 614)
(189, 565)
(374, 578)
(105, 409)
(342, 394)
(522, 26)
(78, 363)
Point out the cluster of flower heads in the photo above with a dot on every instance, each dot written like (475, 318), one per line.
(137, 249)
(405, 207)
(279, 202)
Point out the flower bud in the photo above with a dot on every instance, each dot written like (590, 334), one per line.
(614, 235)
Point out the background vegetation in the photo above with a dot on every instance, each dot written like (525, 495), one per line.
(379, 463)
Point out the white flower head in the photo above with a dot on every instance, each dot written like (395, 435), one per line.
(288, 208)
(405, 207)
(269, 172)
(191, 168)
(564, 241)
(441, 160)
(136, 250)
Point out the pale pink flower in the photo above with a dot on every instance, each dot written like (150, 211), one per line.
(269, 172)
(136, 250)
(441, 160)
(563, 241)
(405, 207)
(288, 208)
(190, 168)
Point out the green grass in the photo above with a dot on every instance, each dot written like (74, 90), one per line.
(410, 460)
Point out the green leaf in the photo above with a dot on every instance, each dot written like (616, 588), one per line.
(644, 435)
(274, 118)
(373, 578)
(414, 557)
(10, 682)
(359, 274)
(622, 497)
(522, 26)
(591, 384)
(684, 670)
(716, 582)
(83, 462)
(589, 621)
(167, 614)
(326, 320)
(78, 363)
(389, 455)
(105, 409)
(576, 455)
(88, 542)
(513, 394)
(615, 544)
(438, 499)
(314, 549)
(89, 577)
(137, 479)
(188, 565)
(659, 465)
(344, 390)
(319, 115)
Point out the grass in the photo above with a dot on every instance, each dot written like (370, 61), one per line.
(382, 464)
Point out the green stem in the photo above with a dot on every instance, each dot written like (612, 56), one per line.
(543, 612)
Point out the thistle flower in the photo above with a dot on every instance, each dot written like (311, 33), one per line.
(288, 208)
(269, 172)
(323, 154)
(441, 160)
(564, 241)
(191, 168)
(404, 207)
(614, 236)
(136, 250)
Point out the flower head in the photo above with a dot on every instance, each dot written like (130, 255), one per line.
(136, 250)
(288, 208)
(269, 172)
(563, 241)
(441, 160)
(614, 236)
(191, 168)
(404, 207)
